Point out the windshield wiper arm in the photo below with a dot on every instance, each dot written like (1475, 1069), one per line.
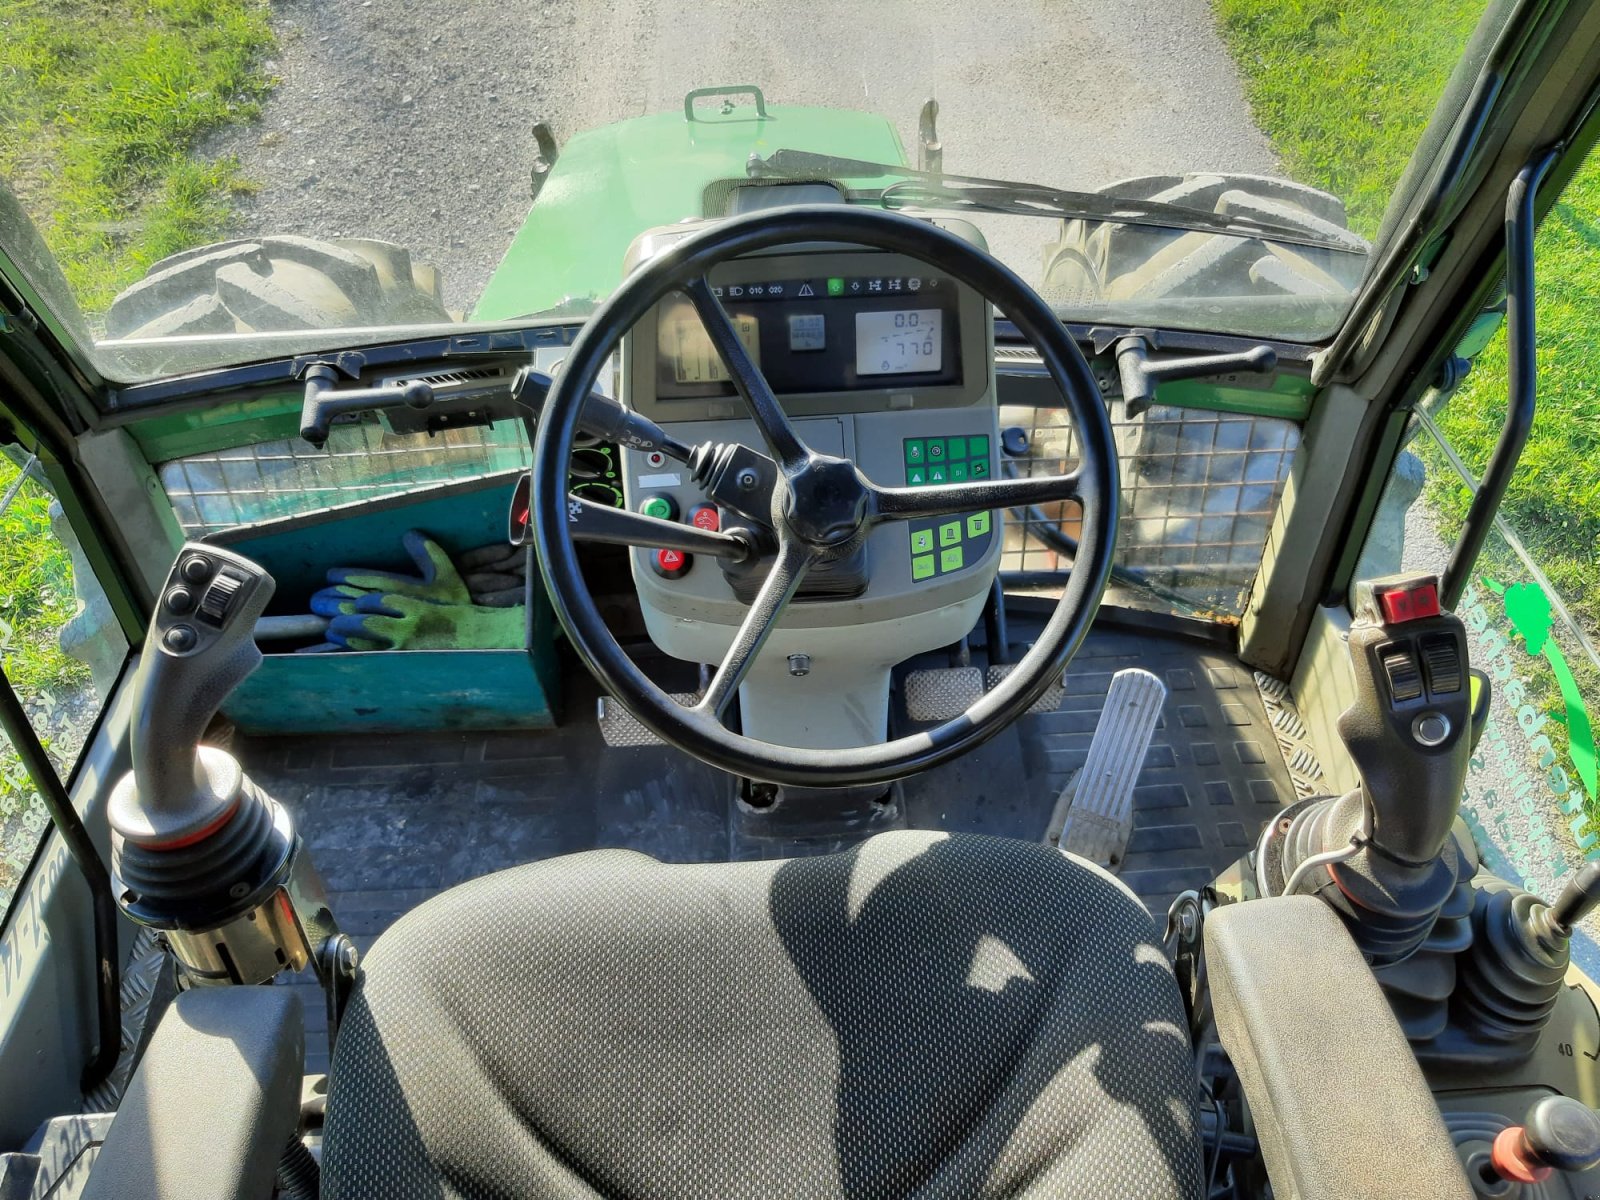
(932, 189)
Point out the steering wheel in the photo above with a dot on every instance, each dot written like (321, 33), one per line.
(820, 506)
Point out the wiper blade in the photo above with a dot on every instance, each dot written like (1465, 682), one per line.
(930, 189)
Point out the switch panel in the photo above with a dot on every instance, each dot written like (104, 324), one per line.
(941, 545)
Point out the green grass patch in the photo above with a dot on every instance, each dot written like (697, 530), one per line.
(1344, 88)
(102, 103)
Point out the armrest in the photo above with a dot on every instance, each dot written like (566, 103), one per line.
(215, 1100)
(1337, 1096)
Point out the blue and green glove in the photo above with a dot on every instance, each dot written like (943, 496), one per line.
(436, 609)
(399, 622)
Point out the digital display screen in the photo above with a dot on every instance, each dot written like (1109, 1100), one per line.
(899, 341)
(817, 335)
(686, 345)
(807, 331)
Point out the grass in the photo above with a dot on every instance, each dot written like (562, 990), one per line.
(102, 103)
(1344, 88)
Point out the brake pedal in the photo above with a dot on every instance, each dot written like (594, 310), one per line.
(1094, 816)
(619, 728)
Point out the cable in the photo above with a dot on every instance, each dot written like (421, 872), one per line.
(1326, 859)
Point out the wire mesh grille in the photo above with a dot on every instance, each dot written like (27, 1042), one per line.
(1199, 489)
(1198, 492)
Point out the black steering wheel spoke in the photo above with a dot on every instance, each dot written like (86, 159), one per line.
(789, 568)
(944, 499)
(747, 378)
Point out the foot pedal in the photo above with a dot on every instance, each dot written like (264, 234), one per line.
(1094, 816)
(619, 728)
(946, 692)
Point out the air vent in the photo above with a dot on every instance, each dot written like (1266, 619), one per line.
(459, 382)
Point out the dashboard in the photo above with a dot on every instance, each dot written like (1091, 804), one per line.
(876, 358)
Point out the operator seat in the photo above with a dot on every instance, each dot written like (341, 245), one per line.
(924, 1015)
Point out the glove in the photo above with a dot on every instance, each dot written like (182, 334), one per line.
(496, 575)
(400, 622)
(437, 580)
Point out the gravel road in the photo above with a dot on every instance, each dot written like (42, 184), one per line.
(409, 120)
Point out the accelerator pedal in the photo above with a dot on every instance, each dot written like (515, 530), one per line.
(1094, 816)
(945, 692)
(620, 729)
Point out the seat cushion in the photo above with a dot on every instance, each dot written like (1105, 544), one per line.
(924, 1015)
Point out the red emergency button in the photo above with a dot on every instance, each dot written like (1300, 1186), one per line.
(671, 564)
(706, 517)
(1409, 603)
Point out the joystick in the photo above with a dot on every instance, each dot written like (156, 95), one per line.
(199, 852)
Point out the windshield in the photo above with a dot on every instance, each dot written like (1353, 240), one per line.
(216, 181)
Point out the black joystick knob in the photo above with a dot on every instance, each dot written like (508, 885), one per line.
(1559, 1134)
(1578, 898)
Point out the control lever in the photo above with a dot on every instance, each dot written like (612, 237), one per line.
(199, 852)
(200, 647)
(1559, 1133)
(323, 403)
(602, 417)
(1141, 374)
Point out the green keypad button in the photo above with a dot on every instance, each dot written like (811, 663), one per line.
(936, 450)
(950, 533)
(921, 541)
(949, 560)
(978, 468)
(916, 450)
(958, 472)
(658, 507)
(977, 524)
(955, 448)
(922, 568)
(936, 475)
(916, 476)
(978, 446)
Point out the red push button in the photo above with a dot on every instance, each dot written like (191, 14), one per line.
(671, 564)
(1409, 604)
(706, 517)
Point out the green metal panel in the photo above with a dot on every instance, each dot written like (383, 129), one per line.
(1289, 397)
(219, 426)
(611, 184)
(352, 692)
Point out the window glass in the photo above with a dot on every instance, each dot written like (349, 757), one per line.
(1532, 607)
(60, 644)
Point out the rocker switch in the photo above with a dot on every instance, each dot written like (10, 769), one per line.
(219, 597)
(1405, 679)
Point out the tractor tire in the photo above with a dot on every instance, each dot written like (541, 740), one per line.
(263, 285)
(1100, 261)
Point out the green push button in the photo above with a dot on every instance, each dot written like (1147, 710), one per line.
(955, 448)
(916, 450)
(922, 568)
(978, 447)
(936, 475)
(951, 559)
(936, 450)
(922, 541)
(950, 533)
(916, 476)
(958, 472)
(660, 507)
(978, 524)
(978, 468)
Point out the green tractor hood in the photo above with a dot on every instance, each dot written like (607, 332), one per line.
(611, 184)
